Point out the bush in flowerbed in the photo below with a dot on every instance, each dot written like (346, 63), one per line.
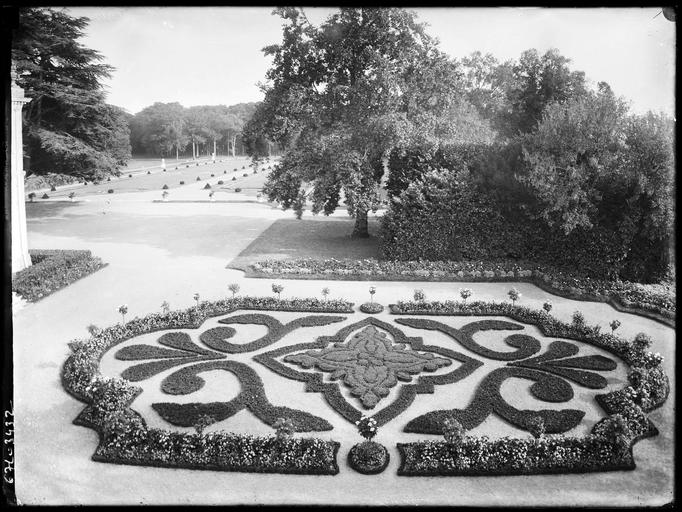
(649, 388)
(656, 298)
(52, 270)
(124, 436)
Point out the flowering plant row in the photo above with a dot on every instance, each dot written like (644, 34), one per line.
(512, 456)
(124, 436)
(608, 447)
(52, 270)
(658, 299)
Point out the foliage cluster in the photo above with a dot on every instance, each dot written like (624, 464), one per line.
(52, 270)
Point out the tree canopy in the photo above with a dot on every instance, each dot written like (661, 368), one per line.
(167, 128)
(69, 127)
(339, 97)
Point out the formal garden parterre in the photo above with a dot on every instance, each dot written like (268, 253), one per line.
(356, 371)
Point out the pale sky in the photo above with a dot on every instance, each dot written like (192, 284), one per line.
(211, 55)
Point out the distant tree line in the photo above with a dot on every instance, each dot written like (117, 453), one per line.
(70, 129)
(169, 129)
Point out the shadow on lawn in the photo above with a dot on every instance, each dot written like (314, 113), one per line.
(316, 237)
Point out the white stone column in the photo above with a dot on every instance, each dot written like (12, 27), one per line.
(20, 257)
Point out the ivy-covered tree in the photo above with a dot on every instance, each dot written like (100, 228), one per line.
(339, 97)
(69, 128)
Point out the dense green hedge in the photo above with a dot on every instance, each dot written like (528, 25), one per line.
(52, 270)
(464, 202)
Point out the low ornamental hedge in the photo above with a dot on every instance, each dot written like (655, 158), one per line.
(52, 270)
(654, 300)
(608, 447)
(124, 437)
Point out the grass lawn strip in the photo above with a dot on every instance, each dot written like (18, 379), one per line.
(123, 435)
(608, 447)
(52, 270)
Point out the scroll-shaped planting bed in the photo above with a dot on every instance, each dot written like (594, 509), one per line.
(367, 370)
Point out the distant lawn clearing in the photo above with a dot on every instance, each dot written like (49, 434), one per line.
(315, 237)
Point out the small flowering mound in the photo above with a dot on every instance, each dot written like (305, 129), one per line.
(371, 308)
(368, 458)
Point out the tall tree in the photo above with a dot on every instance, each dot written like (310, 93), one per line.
(69, 128)
(159, 129)
(537, 82)
(340, 97)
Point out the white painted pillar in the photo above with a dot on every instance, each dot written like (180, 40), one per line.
(20, 257)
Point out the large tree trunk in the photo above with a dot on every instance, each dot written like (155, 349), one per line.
(360, 230)
(177, 153)
(234, 146)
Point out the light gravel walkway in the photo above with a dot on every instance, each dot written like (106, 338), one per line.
(169, 251)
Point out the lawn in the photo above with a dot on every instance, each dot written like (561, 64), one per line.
(141, 182)
(311, 237)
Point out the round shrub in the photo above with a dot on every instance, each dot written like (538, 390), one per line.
(225, 171)
(237, 189)
(110, 191)
(243, 167)
(371, 308)
(182, 183)
(212, 175)
(130, 175)
(245, 174)
(220, 182)
(368, 458)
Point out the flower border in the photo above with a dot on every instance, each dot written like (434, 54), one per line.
(548, 279)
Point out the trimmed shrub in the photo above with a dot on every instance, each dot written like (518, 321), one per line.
(237, 189)
(45, 196)
(207, 186)
(110, 191)
(52, 270)
(165, 187)
(182, 183)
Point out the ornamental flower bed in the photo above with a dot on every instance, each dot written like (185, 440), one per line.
(52, 270)
(654, 300)
(608, 447)
(125, 437)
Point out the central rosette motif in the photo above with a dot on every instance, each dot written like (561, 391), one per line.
(369, 363)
